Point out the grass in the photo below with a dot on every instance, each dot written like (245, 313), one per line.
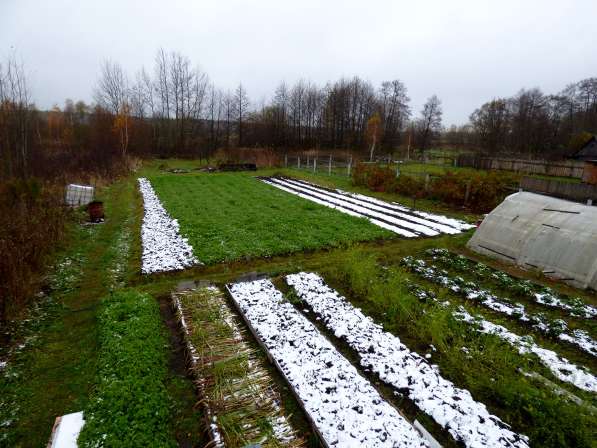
(55, 371)
(234, 216)
(129, 407)
(492, 367)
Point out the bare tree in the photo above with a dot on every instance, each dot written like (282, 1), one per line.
(430, 122)
(112, 91)
(241, 105)
(15, 113)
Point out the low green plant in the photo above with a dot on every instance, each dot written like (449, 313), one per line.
(129, 407)
(233, 216)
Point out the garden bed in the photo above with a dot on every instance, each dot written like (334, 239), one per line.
(559, 366)
(343, 406)
(391, 216)
(556, 328)
(465, 419)
(241, 401)
(164, 249)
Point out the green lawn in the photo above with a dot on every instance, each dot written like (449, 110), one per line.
(235, 216)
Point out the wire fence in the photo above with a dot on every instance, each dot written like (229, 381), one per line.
(327, 164)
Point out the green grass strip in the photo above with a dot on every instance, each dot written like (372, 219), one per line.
(130, 405)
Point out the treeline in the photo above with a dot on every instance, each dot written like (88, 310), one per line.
(186, 114)
(532, 123)
(174, 109)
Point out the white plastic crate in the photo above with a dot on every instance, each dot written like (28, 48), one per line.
(79, 194)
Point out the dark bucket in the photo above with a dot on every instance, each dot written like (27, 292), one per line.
(96, 211)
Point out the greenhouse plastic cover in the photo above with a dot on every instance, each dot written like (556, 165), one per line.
(534, 231)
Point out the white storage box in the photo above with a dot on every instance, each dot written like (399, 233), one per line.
(79, 194)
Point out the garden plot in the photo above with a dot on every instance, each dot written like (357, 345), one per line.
(232, 216)
(554, 328)
(560, 367)
(542, 295)
(164, 249)
(455, 409)
(391, 216)
(343, 406)
(240, 399)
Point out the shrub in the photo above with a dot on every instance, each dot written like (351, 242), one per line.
(129, 407)
(32, 223)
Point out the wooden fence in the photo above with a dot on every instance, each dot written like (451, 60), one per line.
(561, 168)
(565, 190)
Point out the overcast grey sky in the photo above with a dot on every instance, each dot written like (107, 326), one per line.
(465, 51)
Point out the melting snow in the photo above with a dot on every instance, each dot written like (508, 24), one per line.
(344, 407)
(163, 247)
(455, 409)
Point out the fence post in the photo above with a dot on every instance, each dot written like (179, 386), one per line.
(330, 166)
(397, 171)
(349, 165)
(467, 193)
(315, 164)
(307, 162)
(298, 164)
(285, 160)
(427, 178)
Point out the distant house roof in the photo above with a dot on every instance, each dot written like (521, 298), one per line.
(588, 152)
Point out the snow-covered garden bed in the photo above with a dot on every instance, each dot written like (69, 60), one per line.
(542, 295)
(391, 216)
(559, 366)
(164, 249)
(343, 406)
(557, 328)
(467, 420)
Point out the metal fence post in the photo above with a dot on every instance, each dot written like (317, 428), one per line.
(315, 164)
(285, 160)
(307, 162)
(349, 165)
(427, 178)
(330, 166)
(298, 165)
(467, 192)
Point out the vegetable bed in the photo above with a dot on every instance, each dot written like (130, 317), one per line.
(229, 217)
(392, 216)
(455, 409)
(343, 406)
(241, 400)
(130, 406)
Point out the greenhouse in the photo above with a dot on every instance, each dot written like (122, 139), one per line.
(552, 235)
